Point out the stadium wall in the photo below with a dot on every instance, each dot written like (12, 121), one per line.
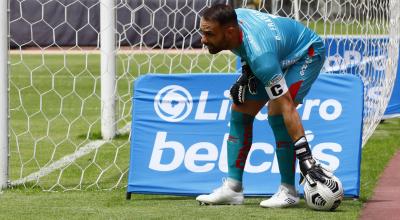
(77, 23)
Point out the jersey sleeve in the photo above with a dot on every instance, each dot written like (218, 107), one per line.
(268, 70)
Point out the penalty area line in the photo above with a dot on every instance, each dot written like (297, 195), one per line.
(66, 160)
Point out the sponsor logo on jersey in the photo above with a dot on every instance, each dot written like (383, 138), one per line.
(275, 80)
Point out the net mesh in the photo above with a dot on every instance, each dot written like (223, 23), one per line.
(55, 105)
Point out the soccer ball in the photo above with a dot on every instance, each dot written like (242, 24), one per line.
(326, 197)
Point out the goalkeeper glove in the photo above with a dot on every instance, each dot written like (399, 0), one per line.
(310, 170)
(246, 80)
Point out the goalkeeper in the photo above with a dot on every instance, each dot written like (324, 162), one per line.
(281, 59)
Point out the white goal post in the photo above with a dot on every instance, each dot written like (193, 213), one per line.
(3, 95)
(68, 67)
(108, 68)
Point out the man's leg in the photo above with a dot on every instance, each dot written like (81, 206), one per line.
(284, 150)
(299, 79)
(238, 147)
(286, 195)
(239, 143)
(241, 138)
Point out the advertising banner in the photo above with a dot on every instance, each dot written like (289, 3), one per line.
(365, 56)
(180, 124)
(393, 108)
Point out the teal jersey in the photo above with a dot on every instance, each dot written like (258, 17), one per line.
(272, 43)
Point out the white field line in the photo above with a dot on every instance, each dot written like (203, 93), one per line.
(89, 147)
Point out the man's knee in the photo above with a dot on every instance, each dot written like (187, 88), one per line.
(250, 107)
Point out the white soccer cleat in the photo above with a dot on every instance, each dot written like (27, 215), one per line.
(223, 195)
(281, 199)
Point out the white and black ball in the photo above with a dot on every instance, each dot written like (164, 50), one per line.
(325, 197)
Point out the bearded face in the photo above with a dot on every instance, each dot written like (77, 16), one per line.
(213, 36)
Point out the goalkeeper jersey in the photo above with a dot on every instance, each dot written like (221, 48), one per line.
(272, 43)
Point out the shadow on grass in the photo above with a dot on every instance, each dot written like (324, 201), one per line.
(153, 197)
(97, 136)
(26, 187)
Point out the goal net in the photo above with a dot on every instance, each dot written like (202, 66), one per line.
(59, 53)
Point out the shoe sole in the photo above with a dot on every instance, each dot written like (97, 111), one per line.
(282, 206)
(201, 203)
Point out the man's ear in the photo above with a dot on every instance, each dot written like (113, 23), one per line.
(229, 31)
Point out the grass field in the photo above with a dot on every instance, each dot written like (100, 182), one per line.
(55, 108)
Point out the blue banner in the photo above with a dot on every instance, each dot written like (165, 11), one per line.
(180, 124)
(365, 56)
(393, 108)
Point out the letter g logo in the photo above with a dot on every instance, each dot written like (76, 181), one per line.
(173, 103)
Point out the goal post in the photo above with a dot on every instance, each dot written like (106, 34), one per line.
(4, 94)
(71, 67)
(108, 68)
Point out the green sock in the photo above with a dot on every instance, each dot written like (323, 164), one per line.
(239, 143)
(284, 149)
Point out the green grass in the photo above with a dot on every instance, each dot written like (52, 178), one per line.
(55, 108)
(112, 205)
(33, 204)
